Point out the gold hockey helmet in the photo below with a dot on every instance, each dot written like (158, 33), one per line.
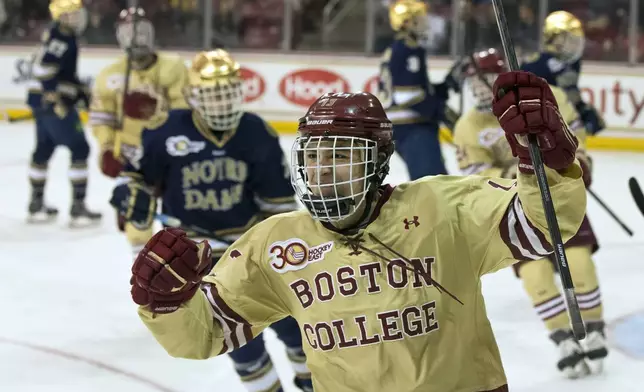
(410, 16)
(70, 13)
(563, 36)
(214, 89)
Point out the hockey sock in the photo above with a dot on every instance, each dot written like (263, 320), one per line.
(78, 177)
(302, 373)
(37, 179)
(259, 376)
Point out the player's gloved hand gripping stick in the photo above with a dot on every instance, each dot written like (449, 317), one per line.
(514, 104)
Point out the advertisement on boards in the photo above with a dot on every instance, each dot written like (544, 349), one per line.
(283, 86)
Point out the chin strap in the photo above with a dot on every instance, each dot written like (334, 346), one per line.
(370, 198)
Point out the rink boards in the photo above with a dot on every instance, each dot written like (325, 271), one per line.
(282, 86)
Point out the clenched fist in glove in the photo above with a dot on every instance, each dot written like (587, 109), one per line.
(168, 271)
(110, 165)
(524, 104)
(135, 202)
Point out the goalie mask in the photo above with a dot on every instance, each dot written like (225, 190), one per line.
(410, 17)
(563, 36)
(215, 91)
(341, 156)
(481, 75)
(135, 31)
(69, 13)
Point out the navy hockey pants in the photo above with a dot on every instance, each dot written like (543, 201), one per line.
(52, 131)
(418, 146)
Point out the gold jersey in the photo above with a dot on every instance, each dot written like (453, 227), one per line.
(397, 307)
(481, 146)
(164, 79)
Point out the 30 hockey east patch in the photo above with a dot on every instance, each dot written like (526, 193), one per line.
(295, 254)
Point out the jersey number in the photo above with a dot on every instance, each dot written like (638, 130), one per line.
(56, 47)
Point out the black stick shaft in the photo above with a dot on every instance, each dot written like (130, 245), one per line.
(636, 192)
(576, 321)
(610, 212)
(128, 64)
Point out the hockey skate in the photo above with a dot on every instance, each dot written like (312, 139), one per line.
(595, 346)
(39, 212)
(82, 217)
(571, 355)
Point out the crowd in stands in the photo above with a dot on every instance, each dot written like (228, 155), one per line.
(259, 24)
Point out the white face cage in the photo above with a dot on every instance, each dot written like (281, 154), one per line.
(143, 43)
(422, 30)
(482, 92)
(220, 104)
(570, 47)
(75, 20)
(331, 175)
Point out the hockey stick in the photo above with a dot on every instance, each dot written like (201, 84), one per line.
(610, 212)
(576, 321)
(171, 221)
(126, 84)
(637, 194)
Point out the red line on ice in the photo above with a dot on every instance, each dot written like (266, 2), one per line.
(88, 361)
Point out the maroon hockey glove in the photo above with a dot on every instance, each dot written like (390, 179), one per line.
(139, 105)
(523, 104)
(110, 166)
(168, 271)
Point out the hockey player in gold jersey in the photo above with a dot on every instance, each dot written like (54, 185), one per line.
(483, 150)
(155, 86)
(384, 282)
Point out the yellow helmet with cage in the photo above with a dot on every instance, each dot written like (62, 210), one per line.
(563, 36)
(69, 13)
(410, 17)
(214, 89)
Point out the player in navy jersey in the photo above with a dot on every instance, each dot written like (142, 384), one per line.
(413, 104)
(53, 94)
(221, 169)
(560, 63)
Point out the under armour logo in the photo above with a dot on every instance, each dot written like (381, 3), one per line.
(407, 222)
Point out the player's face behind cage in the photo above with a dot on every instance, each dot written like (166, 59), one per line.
(331, 174)
(480, 86)
(218, 103)
(421, 29)
(568, 47)
(75, 19)
(143, 43)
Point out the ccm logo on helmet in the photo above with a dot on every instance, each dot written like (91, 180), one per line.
(305, 86)
(254, 85)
